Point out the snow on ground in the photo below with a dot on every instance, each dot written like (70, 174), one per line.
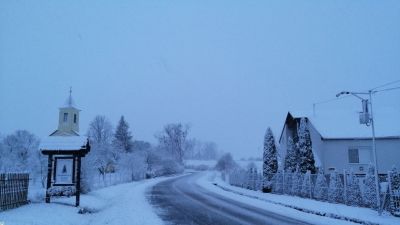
(115, 205)
(273, 202)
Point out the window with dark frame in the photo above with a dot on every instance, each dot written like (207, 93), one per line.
(74, 118)
(65, 117)
(353, 155)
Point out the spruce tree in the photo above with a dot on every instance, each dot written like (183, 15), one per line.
(306, 160)
(353, 191)
(292, 156)
(321, 186)
(122, 137)
(270, 164)
(335, 191)
(369, 190)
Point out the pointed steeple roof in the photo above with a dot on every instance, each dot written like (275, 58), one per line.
(69, 103)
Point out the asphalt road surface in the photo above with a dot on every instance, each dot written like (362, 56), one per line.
(182, 201)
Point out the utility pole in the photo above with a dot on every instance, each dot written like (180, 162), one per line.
(367, 118)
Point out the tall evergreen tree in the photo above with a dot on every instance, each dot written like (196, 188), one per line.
(306, 159)
(292, 156)
(270, 165)
(122, 136)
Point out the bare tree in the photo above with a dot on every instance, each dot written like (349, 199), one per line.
(173, 139)
(100, 130)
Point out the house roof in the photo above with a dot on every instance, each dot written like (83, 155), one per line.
(341, 124)
(65, 143)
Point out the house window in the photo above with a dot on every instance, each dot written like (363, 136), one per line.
(74, 118)
(65, 117)
(360, 155)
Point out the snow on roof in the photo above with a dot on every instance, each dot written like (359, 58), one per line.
(63, 142)
(345, 124)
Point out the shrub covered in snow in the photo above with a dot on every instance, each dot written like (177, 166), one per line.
(321, 186)
(62, 191)
(394, 179)
(306, 185)
(335, 190)
(369, 188)
(296, 183)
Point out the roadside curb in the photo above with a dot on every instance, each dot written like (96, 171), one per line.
(329, 215)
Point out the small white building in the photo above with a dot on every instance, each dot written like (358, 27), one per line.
(339, 142)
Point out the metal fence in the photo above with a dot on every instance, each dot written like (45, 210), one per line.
(345, 188)
(13, 190)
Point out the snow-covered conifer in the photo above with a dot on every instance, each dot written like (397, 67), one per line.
(278, 182)
(395, 179)
(292, 156)
(321, 186)
(296, 183)
(353, 190)
(270, 164)
(369, 190)
(306, 160)
(335, 190)
(122, 137)
(306, 185)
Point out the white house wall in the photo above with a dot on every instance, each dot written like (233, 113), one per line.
(336, 154)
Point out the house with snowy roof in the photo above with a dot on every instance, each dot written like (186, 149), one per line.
(340, 143)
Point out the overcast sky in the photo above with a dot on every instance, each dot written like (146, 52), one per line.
(229, 68)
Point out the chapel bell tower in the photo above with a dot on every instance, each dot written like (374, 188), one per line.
(68, 119)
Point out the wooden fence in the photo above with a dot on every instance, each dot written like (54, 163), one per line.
(13, 190)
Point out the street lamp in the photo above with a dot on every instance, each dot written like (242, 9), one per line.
(366, 117)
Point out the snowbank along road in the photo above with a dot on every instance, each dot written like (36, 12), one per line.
(182, 201)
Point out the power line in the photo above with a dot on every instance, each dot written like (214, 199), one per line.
(388, 89)
(384, 85)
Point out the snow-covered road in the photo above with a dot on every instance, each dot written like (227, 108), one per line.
(182, 201)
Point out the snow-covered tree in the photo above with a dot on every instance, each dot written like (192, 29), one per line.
(296, 183)
(306, 159)
(306, 186)
(369, 188)
(335, 190)
(122, 136)
(100, 130)
(353, 190)
(103, 156)
(278, 182)
(395, 179)
(226, 163)
(292, 156)
(321, 186)
(20, 153)
(270, 159)
(173, 139)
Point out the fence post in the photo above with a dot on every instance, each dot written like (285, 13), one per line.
(345, 186)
